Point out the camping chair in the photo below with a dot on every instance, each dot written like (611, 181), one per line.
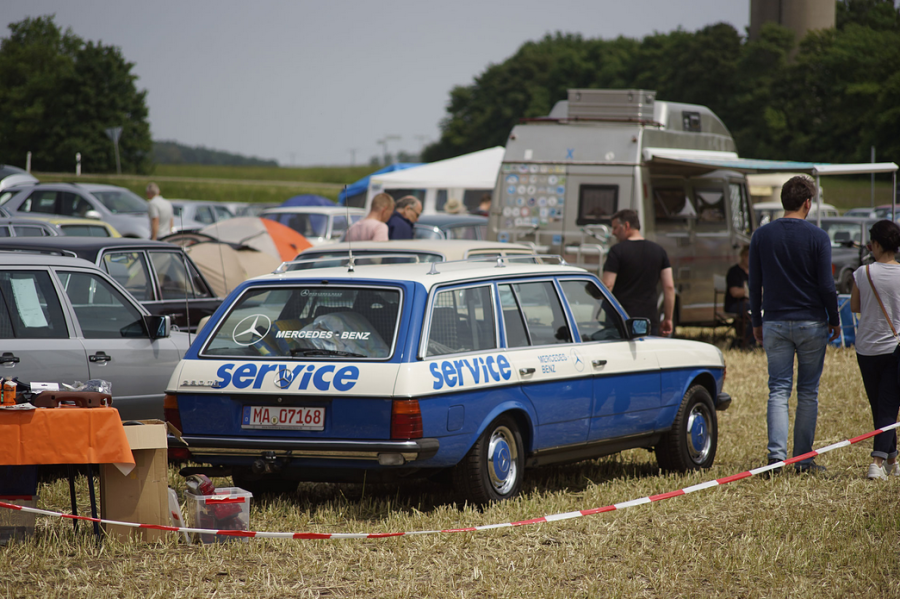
(721, 318)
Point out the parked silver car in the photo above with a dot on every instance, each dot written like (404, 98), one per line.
(193, 215)
(120, 207)
(63, 320)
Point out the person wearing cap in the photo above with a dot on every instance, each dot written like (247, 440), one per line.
(454, 206)
(402, 221)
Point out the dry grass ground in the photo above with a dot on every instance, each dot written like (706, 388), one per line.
(834, 535)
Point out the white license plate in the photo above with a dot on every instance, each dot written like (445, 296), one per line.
(296, 418)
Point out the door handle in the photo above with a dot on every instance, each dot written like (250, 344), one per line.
(100, 357)
(526, 371)
(598, 363)
(9, 358)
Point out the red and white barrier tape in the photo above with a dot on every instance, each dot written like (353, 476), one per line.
(551, 518)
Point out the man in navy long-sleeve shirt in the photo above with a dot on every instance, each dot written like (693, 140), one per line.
(793, 306)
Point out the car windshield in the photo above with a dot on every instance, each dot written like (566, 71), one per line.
(360, 258)
(841, 233)
(309, 321)
(121, 201)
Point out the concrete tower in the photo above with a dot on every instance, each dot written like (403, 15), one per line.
(797, 15)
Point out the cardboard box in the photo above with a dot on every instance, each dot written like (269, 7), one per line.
(228, 509)
(142, 495)
(16, 524)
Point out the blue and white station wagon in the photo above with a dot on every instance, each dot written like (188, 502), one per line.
(481, 369)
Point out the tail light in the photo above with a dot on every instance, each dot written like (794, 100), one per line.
(406, 419)
(173, 417)
(833, 269)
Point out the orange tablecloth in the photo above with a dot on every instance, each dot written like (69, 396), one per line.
(64, 436)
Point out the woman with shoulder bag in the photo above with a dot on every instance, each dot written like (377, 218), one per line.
(876, 297)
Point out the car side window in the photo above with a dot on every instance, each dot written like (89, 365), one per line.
(222, 213)
(29, 231)
(173, 278)
(462, 320)
(29, 307)
(204, 215)
(4, 231)
(595, 316)
(40, 201)
(130, 270)
(73, 205)
(544, 320)
(102, 311)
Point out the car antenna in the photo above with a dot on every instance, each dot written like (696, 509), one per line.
(190, 281)
(349, 243)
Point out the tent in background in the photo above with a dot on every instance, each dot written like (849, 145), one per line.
(225, 267)
(354, 195)
(307, 200)
(261, 234)
(466, 177)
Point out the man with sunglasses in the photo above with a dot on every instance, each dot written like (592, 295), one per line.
(406, 213)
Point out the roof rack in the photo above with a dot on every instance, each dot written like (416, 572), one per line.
(410, 257)
(499, 261)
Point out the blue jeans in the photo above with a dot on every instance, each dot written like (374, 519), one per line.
(781, 340)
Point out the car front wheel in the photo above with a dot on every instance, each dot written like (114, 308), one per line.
(691, 442)
(494, 466)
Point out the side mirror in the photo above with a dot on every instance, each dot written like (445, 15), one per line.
(638, 327)
(158, 327)
(93, 214)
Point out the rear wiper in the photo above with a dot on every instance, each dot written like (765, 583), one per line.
(323, 352)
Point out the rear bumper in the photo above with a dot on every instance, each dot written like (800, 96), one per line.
(413, 450)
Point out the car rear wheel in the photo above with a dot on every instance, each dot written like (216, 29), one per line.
(691, 443)
(493, 468)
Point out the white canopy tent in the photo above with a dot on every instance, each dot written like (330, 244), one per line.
(455, 176)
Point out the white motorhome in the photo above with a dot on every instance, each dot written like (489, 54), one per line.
(563, 177)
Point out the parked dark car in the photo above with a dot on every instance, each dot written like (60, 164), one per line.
(849, 236)
(451, 226)
(158, 274)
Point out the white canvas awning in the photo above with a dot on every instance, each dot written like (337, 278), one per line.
(477, 170)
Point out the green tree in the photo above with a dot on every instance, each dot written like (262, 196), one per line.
(60, 94)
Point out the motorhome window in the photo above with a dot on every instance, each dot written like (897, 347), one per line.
(691, 121)
(709, 204)
(740, 210)
(595, 316)
(672, 204)
(462, 320)
(597, 203)
(440, 200)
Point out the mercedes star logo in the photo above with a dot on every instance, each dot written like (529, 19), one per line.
(247, 331)
(284, 378)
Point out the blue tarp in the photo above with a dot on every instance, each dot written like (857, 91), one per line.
(363, 184)
(308, 200)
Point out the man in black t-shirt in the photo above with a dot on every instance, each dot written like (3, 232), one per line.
(737, 299)
(633, 268)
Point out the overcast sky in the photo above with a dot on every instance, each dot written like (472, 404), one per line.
(307, 83)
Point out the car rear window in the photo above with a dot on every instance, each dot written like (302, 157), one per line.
(309, 322)
(121, 201)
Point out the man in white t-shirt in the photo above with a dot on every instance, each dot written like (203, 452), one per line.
(160, 213)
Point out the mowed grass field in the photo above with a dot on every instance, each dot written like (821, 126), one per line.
(230, 184)
(832, 535)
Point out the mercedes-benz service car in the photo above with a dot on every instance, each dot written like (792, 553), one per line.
(480, 369)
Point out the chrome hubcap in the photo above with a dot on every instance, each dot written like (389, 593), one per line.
(698, 433)
(501, 460)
